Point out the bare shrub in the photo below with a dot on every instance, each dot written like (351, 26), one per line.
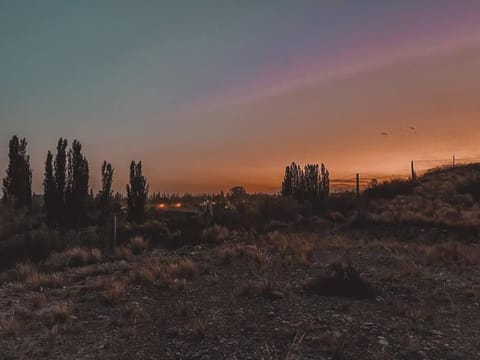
(215, 233)
(343, 281)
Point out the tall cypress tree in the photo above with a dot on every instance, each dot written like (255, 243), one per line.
(17, 184)
(76, 193)
(137, 193)
(287, 184)
(106, 193)
(60, 166)
(50, 192)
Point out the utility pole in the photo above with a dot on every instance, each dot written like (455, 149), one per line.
(453, 163)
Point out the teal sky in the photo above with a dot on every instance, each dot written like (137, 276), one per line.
(213, 93)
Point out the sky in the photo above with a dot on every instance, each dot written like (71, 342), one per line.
(210, 94)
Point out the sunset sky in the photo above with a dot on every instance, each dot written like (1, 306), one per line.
(210, 94)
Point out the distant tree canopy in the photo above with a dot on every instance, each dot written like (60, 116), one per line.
(66, 190)
(17, 184)
(137, 193)
(311, 183)
(237, 192)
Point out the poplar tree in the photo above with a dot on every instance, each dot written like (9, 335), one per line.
(106, 193)
(60, 166)
(137, 193)
(17, 184)
(76, 192)
(50, 192)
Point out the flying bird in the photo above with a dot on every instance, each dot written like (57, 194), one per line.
(411, 128)
(384, 133)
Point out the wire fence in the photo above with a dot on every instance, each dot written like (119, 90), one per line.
(420, 167)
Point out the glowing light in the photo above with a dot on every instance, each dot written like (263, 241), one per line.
(178, 205)
(161, 206)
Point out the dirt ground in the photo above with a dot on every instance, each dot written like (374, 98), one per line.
(251, 303)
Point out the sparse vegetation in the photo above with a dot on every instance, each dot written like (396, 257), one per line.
(115, 291)
(215, 234)
(74, 257)
(38, 280)
(181, 275)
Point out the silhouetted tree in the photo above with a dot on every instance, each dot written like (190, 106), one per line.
(311, 183)
(60, 167)
(76, 193)
(137, 193)
(325, 182)
(237, 193)
(287, 184)
(17, 184)
(50, 192)
(106, 193)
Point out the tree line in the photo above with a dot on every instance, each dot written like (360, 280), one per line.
(66, 186)
(310, 183)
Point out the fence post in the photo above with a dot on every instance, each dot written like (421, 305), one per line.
(357, 190)
(453, 163)
(114, 232)
(414, 174)
(357, 187)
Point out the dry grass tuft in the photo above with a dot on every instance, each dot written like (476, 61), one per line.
(61, 313)
(138, 245)
(23, 271)
(38, 300)
(74, 257)
(37, 280)
(122, 253)
(183, 268)
(449, 253)
(260, 257)
(10, 326)
(293, 248)
(165, 274)
(115, 291)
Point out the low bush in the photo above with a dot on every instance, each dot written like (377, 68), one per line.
(280, 208)
(390, 189)
(470, 186)
(215, 234)
(138, 245)
(343, 281)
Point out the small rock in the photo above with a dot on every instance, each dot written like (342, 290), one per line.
(383, 341)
